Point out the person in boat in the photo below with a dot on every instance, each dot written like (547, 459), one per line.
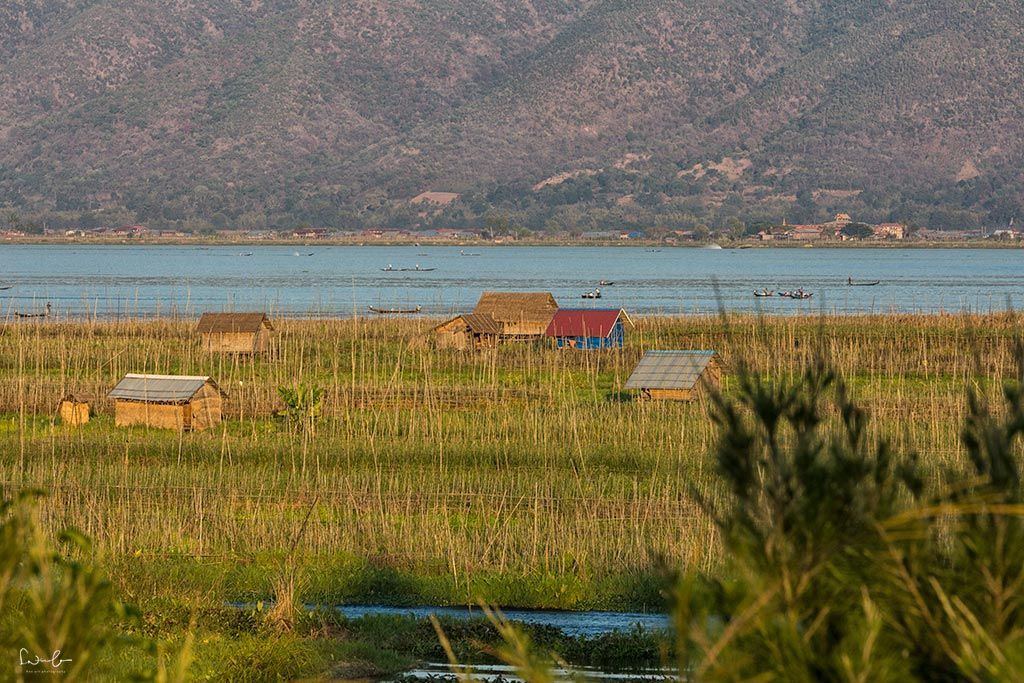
(849, 280)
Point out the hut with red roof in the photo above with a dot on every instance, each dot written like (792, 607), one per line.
(589, 328)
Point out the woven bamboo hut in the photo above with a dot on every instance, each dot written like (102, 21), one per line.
(73, 412)
(185, 403)
(241, 333)
(675, 375)
(520, 314)
(468, 331)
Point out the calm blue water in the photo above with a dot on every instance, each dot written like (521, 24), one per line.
(333, 280)
(588, 624)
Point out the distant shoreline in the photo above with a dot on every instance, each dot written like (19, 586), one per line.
(635, 243)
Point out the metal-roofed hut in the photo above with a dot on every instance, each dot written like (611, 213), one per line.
(521, 314)
(675, 375)
(243, 333)
(468, 331)
(589, 328)
(182, 402)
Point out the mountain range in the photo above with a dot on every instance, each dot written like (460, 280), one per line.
(550, 114)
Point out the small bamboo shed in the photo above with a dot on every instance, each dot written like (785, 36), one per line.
(181, 402)
(468, 331)
(242, 333)
(520, 314)
(73, 412)
(675, 375)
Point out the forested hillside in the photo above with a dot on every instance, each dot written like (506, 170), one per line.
(557, 114)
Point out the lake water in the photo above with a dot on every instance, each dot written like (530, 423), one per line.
(579, 624)
(125, 280)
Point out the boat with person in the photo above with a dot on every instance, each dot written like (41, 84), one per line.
(764, 292)
(44, 314)
(594, 294)
(606, 283)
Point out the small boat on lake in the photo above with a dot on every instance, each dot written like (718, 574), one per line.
(44, 314)
(415, 269)
(867, 283)
(595, 294)
(797, 294)
(394, 311)
(462, 252)
(606, 283)
(764, 292)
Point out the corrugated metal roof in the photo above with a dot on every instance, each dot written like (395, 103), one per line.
(583, 322)
(232, 322)
(517, 307)
(669, 370)
(159, 388)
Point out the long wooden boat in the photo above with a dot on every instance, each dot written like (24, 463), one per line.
(394, 311)
(872, 283)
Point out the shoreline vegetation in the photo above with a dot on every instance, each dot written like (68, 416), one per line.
(220, 241)
(521, 476)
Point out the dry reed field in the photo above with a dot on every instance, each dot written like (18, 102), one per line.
(520, 475)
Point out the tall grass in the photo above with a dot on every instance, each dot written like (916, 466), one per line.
(520, 461)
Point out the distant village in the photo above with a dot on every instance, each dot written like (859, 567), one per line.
(842, 228)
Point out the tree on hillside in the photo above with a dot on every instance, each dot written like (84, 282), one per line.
(857, 231)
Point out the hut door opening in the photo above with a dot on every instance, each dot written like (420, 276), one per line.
(186, 417)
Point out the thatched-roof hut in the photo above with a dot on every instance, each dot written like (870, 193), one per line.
(243, 333)
(188, 403)
(675, 375)
(521, 314)
(468, 331)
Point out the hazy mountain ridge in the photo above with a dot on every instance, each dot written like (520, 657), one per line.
(338, 113)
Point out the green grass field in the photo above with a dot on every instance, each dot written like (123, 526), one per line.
(521, 476)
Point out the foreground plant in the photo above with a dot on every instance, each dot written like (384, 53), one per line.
(59, 611)
(839, 566)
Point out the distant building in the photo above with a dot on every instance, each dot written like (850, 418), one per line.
(587, 328)
(185, 403)
(805, 232)
(889, 231)
(311, 233)
(241, 333)
(675, 375)
(1005, 234)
